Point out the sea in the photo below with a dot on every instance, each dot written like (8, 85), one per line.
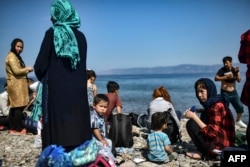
(136, 90)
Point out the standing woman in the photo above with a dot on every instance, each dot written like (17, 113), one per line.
(91, 87)
(61, 67)
(16, 75)
(244, 57)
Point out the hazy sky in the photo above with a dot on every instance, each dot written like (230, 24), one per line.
(134, 33)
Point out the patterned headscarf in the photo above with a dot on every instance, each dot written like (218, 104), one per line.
(212, 96)
(64, 16)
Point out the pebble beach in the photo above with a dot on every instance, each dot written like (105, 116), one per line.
(19, 151)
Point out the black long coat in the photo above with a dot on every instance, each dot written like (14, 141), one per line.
(67, 120)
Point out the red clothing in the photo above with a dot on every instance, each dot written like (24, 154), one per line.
(220, 129)
(244, 57)
(114, 101)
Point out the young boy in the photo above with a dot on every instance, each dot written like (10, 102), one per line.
(100, 105)
(114, 99)
(159, 150)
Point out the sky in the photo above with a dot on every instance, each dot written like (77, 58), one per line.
(134, 33)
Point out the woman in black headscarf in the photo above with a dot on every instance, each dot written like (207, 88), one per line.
(215, 129)
(61, 67)
(16, 75)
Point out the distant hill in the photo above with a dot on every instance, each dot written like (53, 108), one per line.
(183, 68)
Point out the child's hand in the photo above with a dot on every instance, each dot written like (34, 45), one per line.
(104, 142)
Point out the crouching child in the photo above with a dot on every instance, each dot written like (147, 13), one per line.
(100, 105)
(158, 142)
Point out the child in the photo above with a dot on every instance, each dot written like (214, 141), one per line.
(104, 144)
(158, 141)
(115, 101)
(91, 86)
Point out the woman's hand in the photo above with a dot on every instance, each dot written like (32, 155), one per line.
(189, 114)
(30, 69)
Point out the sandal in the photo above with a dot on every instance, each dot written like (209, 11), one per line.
(193, 155)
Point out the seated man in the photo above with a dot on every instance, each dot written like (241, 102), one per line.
(4, 109)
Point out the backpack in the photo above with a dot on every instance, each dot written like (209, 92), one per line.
(120, 131)
(172, 128)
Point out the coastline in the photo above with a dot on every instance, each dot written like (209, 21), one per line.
(18, 150)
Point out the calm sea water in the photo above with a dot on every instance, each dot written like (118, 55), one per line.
(136, 90)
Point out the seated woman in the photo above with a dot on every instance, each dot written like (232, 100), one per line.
(162, 102)
(215, 128)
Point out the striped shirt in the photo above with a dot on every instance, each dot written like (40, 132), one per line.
(156, 143)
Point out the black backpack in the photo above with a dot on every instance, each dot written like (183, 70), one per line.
(120, 131)
(172, 128)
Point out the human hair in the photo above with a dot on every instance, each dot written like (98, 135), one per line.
(90, 73)
(13, 44)
(100, 97)
(158, 119)
(162, 92)
(200, 84)
(112, 86)
(5, 85)
(227, 58)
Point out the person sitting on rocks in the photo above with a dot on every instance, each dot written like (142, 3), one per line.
(4, 109)
(215, 128)
(158, 142)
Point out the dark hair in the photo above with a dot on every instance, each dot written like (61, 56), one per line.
(227, 58)
(112, 86)
(5, 85)
(158, 119)
(90, 73)
(100, 97)
(13, 44)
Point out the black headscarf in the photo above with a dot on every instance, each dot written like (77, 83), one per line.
(212, 96)
(13, 49)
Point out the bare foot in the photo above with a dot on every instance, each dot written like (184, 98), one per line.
(193, 155)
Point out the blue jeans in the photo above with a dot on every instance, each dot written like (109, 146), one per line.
(234, 99)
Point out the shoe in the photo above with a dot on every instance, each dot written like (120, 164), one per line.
(241, 124)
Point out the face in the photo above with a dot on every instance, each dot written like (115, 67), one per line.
(202, 94)
(19, 47)
(92, 80)
(228, 64)
(101, 107)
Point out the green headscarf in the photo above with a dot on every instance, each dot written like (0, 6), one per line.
(64, 16)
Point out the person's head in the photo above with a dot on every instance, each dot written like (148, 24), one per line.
(205, 89)
(227, 61)
(100, 103)
(162, 92)
(91, 75)
(158, 121)
(63, 12)
(112, 87)
(17, 46)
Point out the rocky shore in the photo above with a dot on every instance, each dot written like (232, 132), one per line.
(19, 151)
